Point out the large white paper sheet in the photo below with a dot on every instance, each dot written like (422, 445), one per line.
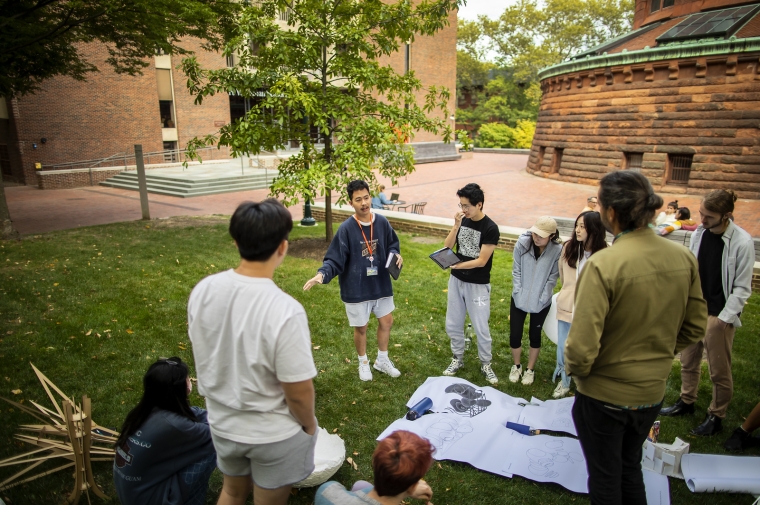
(657, 487)
(548, 459)
(710, 473)
(553, 415)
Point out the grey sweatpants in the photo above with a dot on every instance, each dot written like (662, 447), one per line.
(474, 299)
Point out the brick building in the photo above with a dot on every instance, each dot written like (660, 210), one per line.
(71, 121)
(677, 98)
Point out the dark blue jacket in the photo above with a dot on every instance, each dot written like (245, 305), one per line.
(146, 471)
(347, 258)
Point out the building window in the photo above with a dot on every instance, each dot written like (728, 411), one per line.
(170, 152)
(633, 161)
(167, 113)
(679, 166)
(557, 159)
(712, 24)
(655, 6)
(667, 3)
(230, 61)
(237, 107)
(541, 153)
(284, 15)
(5, 161)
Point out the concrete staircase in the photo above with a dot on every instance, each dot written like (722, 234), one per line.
(186, 187)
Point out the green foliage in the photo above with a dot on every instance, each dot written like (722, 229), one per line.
(43, 39)
(530, 35)
(134, 280)
(321, 76)
(464, 138)
(504, 136)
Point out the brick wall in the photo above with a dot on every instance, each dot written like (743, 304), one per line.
(66, 179)
(708, 108)
(506, 241)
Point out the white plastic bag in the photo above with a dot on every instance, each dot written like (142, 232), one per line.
(550, 325)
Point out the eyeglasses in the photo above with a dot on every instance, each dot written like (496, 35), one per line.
(465, 207)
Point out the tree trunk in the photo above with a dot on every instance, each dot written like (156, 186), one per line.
(5, 215)
(328, 216)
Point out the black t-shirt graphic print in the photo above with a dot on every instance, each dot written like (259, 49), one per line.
(470, 238)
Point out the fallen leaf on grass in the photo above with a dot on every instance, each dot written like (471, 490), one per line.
(501, 300)
(55, 284)
(335, 430)
(347, 360)
(130, 331)
(317, 347)
(353, 402)
(356, 453)
(16, 391)
(440, 467)
(8, 379)
(88, 333)
(445, 290)
(397, 345)
(353, 464)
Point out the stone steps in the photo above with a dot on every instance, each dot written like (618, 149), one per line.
(188, 187)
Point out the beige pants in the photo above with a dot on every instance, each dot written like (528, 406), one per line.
(718, 342)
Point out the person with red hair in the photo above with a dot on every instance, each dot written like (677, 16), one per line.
(399, 463)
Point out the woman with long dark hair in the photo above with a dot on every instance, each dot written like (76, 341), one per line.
(164, 454)
(587, 238)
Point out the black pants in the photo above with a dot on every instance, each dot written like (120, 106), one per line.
(517, 321)
(611, 439)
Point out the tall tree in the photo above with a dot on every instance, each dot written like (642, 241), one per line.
(41, 39)
(530, 35)
(325, 80)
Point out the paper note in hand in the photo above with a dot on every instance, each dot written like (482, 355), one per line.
(391, 266)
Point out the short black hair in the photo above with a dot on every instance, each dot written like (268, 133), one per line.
(632, 197)
(259, 228)
(473, 193)
(357, 185)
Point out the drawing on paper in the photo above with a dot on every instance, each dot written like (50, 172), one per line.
(562, 424)
(542, 461)
(446, 432)
(471, 402)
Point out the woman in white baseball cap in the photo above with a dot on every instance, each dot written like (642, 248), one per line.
(535, 271)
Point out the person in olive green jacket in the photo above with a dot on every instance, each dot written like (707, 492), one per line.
(637, 304)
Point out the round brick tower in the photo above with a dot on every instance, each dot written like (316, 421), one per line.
(677, 98)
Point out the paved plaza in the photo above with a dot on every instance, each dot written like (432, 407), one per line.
(513, 198)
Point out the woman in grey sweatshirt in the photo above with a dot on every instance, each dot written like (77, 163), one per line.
(534, 274)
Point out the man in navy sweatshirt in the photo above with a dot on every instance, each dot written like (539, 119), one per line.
(358, 255)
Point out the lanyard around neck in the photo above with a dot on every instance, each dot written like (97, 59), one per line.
(369, 243)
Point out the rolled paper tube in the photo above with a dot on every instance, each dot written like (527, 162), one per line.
(419, 409)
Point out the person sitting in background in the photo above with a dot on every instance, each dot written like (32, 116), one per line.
(742, 437)
(399, 463)
(380, 200)
(591, 203)
(164, 454)
(683, 222)
(668, 216)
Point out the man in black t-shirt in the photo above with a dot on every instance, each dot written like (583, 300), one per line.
(475, 236)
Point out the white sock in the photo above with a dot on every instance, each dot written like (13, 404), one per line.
(382, 355)
(362, 359)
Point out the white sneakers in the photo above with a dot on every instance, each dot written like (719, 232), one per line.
(453, 367)
(528, 377)
(560, 390)
(515, 373)
(385, 366)
(365, 373)
(488, 372)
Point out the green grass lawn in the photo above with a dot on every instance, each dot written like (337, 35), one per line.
(93, 307)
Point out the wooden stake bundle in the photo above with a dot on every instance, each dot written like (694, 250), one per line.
(69, 434)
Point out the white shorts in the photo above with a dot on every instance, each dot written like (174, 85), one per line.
(358, 313)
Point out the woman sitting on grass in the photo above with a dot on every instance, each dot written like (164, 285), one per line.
(399, 463)
(164, 454)
(683, 222)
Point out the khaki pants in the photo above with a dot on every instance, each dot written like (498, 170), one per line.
(718, 342)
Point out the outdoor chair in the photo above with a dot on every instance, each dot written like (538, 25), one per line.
(416, 208)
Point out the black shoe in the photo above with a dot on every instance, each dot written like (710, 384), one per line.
(738, 441)
(709, 427)
(681, 408)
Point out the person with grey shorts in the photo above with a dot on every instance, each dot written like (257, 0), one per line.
(359, 254)
(475, 236)
(252, 350)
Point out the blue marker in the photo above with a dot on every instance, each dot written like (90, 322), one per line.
(522, 428)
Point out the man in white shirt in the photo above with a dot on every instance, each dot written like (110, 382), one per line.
(252, 352)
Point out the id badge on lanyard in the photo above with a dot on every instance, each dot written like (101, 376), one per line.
(371, 269)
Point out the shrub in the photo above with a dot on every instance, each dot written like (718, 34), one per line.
(464, 138)
(504, 136)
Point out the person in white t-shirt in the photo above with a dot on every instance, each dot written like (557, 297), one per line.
(253, 359)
